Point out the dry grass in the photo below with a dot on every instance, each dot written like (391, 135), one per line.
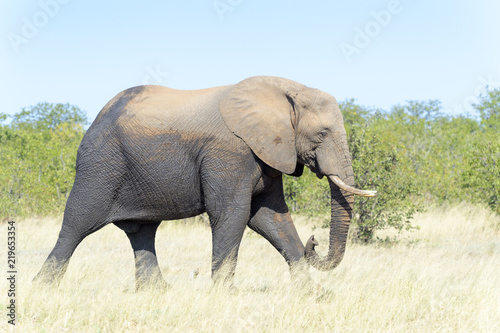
(444, 277)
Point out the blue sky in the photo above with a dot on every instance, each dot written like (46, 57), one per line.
(379, 52)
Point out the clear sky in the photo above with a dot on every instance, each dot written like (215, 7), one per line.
(379, 52)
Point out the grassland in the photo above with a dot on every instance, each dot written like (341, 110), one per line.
(444, 277)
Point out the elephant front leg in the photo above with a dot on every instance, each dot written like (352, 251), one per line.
(270, 218)
(227, 183)
(226, 239)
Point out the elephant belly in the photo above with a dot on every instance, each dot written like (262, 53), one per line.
(159, 189)
(147, 201)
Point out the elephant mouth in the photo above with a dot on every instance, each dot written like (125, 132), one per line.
(314, 167)
(318, 174)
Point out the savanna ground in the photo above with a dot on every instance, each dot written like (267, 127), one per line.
(444, 277)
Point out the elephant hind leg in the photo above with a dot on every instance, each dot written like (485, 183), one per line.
(55, 265)
(86, 212)
(142, 238)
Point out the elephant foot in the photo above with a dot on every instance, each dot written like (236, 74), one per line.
(46, 282)
(323, 295)
(224, 283)
(232, 290)
(226, 287)
(51, 273)
(156, 285)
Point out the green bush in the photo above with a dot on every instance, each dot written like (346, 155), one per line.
(489, 111)
(379, 163)
(37, 159)
(481, 175)
(307, 194)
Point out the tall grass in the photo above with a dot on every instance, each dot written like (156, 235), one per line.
(444, 277)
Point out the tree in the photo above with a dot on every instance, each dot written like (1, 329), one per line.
(489, 110)
(45, 116)
(481, 174)
(37, 158)
(379, 162)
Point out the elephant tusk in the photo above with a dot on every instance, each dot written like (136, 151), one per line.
(362, 193)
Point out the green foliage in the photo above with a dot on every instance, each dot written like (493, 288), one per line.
(307, 194)
(489, 110)
(481, 174)
(45, 116)
(37, 159)
(480, 177)
(382, 161)
(379, 163)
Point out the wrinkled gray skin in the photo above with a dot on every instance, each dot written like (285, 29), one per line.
(156, 154)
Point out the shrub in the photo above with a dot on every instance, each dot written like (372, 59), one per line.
(481, 175)
(37, 159)
(379, 163)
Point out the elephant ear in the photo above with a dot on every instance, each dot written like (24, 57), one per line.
(259, 112)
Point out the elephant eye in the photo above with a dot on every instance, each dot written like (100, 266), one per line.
(323, 134)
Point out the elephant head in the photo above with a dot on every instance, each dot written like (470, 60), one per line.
(288, 125)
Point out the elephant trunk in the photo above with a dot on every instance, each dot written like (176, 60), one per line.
(341, 179)
(342, 204)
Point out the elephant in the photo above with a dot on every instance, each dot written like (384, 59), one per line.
(155, 154)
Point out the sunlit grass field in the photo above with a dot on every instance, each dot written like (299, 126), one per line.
(444, 277)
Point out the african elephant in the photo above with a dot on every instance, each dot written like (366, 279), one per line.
(155, 154)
